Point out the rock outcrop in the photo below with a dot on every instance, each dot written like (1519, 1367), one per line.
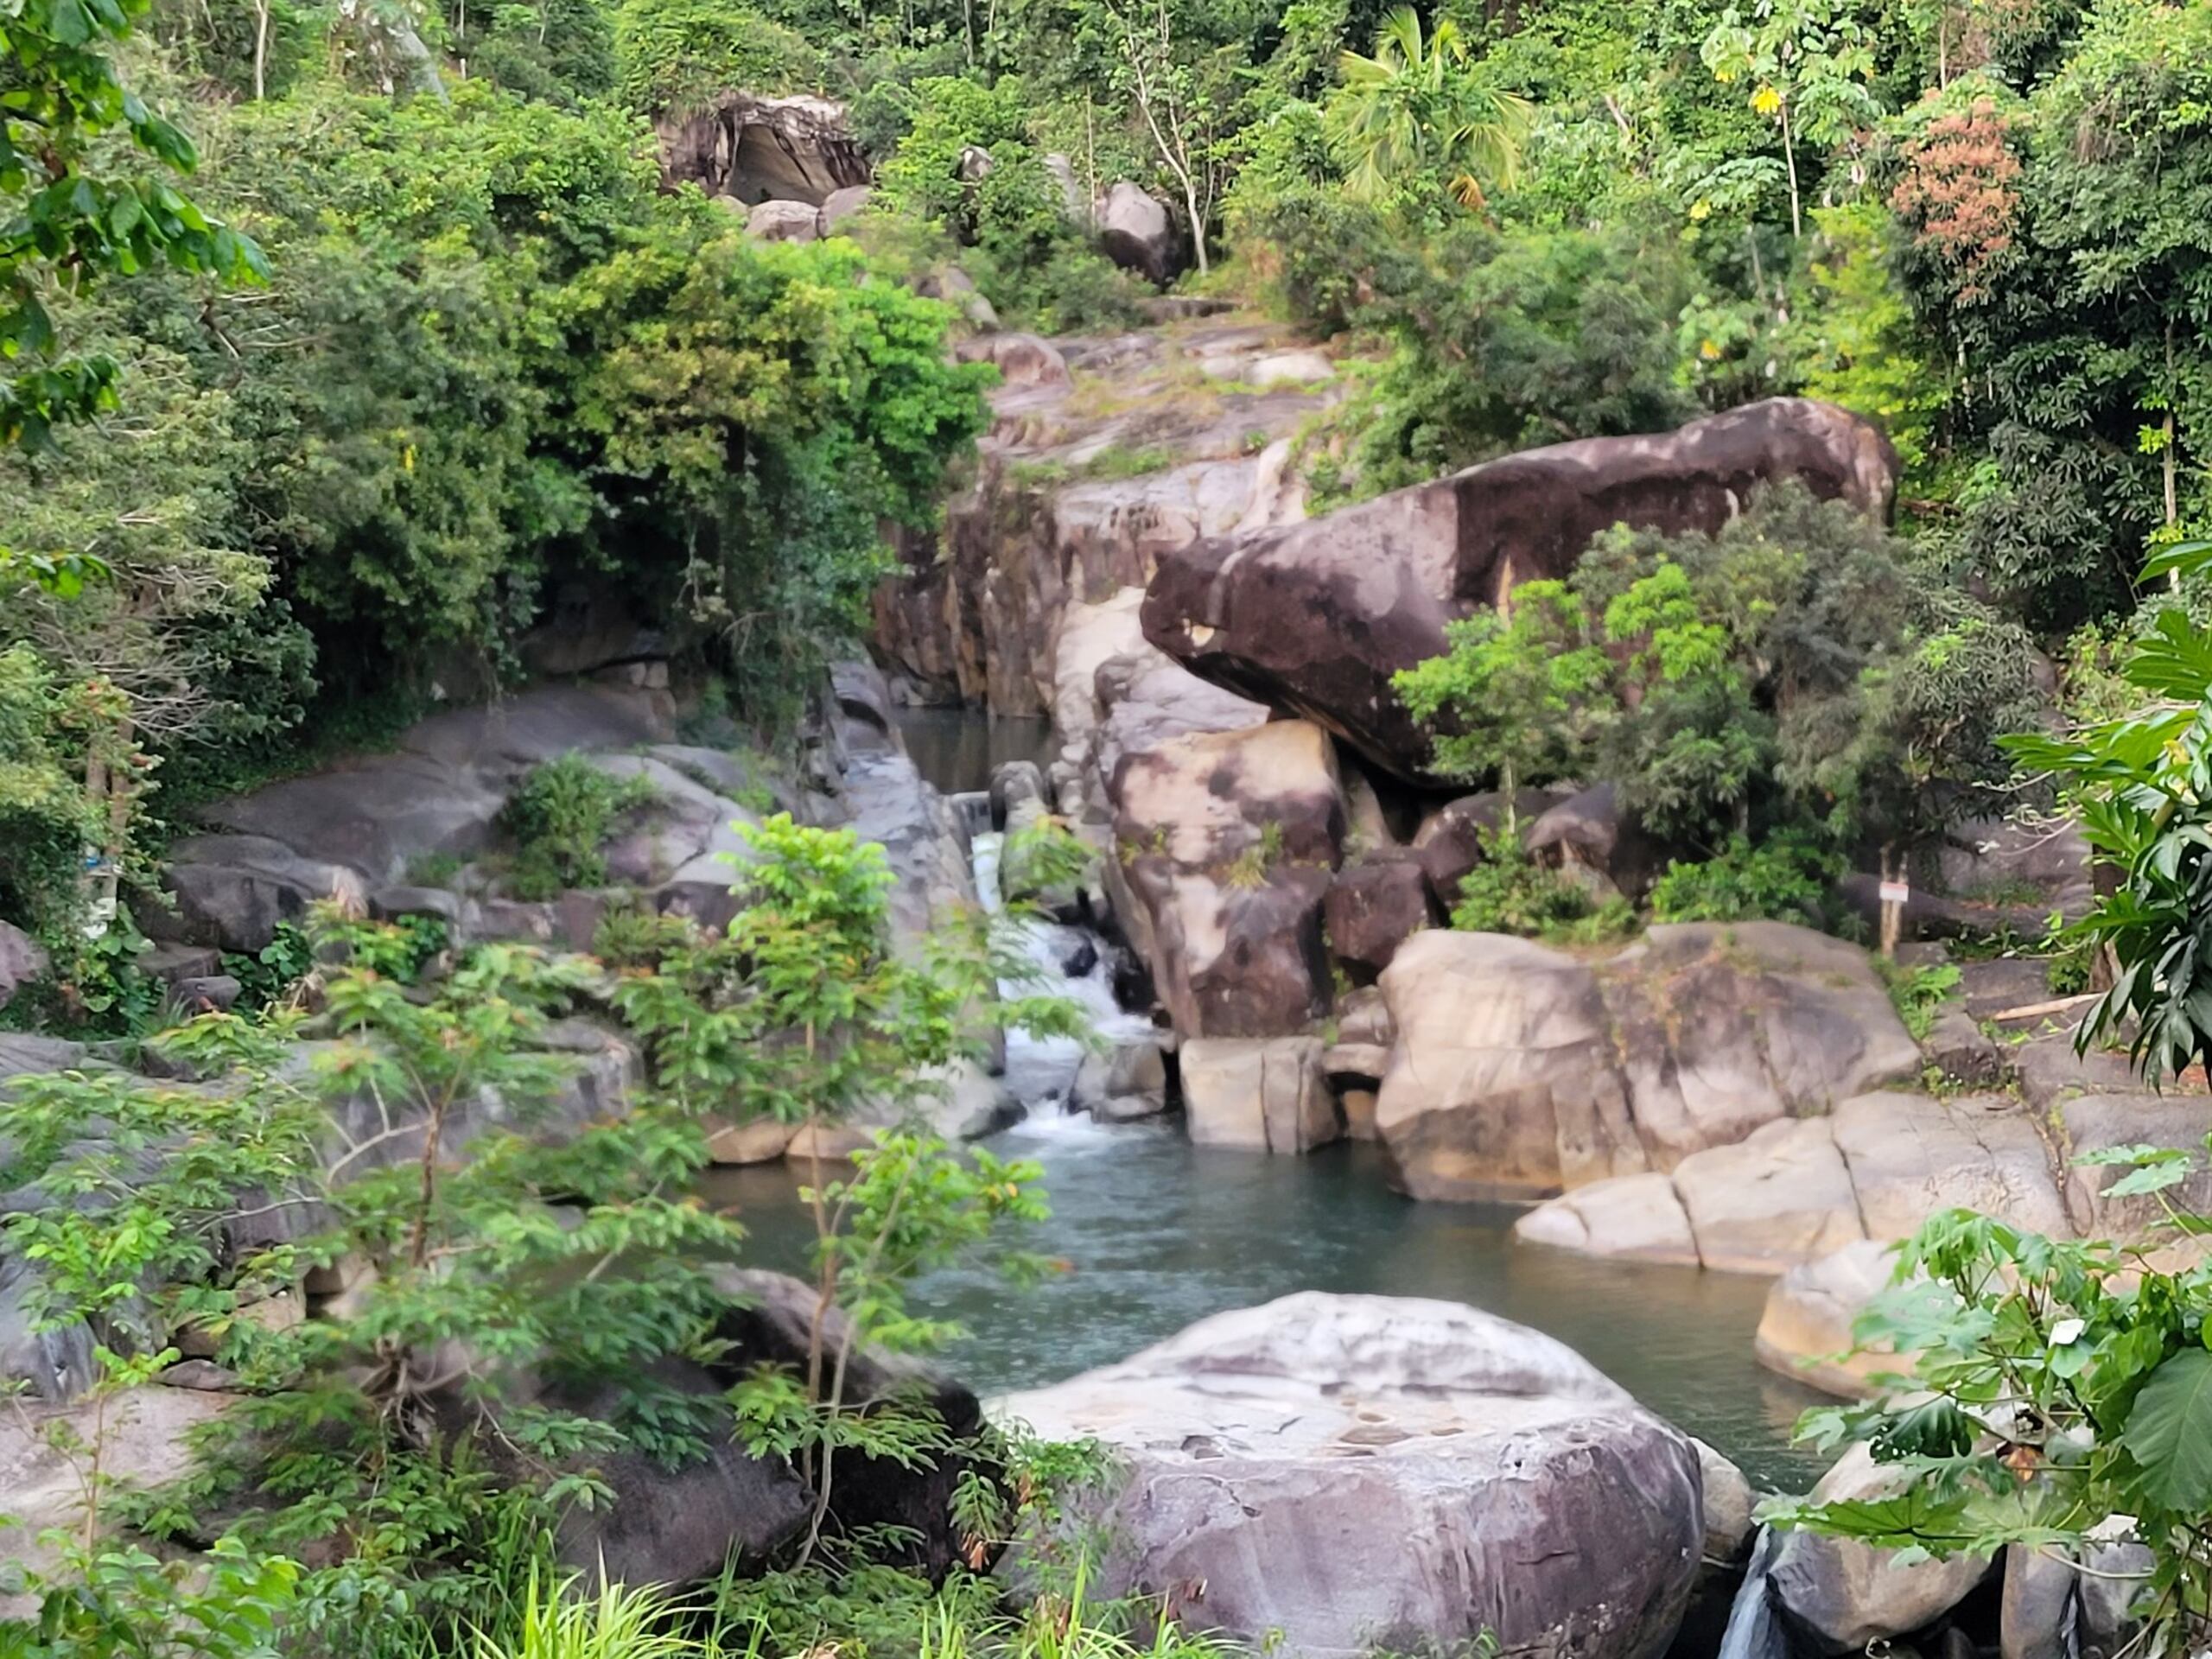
(753, 150)
(1352, 1472)
(1262, 1094)
(1796, 1190)
(1226, 843)
(1317, 617)
(1100, 460)
(1521, 1070)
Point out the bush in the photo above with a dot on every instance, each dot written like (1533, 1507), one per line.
(1510, 893)
(679, 54)
(558, 819)
(1919, 994)
(1785, 879)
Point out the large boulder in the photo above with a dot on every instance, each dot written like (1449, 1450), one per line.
(1373, 908)
(1847, 1595)
(1795, 1190)
(783, 221)
(145, 1438)
(1136, 233)
(1227, 842)
(753, 149)
(1806, 1329)
(1356, 1473)
(1316, 617)
(1596, 844)
(1264, 1094)
(1449, 842)
(1521, 1069)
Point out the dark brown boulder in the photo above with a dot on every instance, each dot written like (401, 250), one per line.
(1373, 908)
(1315, 618)
(1449, 842)
(1592, 838)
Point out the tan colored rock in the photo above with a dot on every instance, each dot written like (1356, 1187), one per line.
(279, 1310)
(1847, 1594)
(1805, 1331)
(760, 1141)
(1911, 1155)
(1026, 361)
(783, 221)
(1723, 1027)
(2094, 1122)
(1358, 1107)
(1638, 1217)
(1227, 842)
(1780, 1197)
(144, 1437)
(1264, 1094)
(1505, 1083)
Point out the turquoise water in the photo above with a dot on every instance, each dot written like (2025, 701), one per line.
(1157, 1233)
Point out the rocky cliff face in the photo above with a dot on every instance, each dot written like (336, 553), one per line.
(1105, 456)
(753, 149)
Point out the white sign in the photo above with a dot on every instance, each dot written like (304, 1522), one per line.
(1896, 892)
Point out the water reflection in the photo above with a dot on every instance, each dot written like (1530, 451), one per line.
(958, 749)
(1159, 1233)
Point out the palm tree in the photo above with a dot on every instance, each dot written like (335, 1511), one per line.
(1414, 106)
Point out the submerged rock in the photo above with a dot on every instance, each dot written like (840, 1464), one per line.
(1357, 1472)
(1317, 617)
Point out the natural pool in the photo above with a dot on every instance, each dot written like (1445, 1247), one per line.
(1156, 1233)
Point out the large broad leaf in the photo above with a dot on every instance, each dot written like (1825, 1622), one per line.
(2169, 1432)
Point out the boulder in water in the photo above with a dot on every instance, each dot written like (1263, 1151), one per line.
(1354, 1471)
(1267, 1094)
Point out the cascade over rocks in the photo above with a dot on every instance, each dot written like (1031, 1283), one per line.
(753, 149)
(1521, 1070)
(1316, 617)
(1364, 1472)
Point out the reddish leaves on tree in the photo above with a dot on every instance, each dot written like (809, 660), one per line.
(1959, 195)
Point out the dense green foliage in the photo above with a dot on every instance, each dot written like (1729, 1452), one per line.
(1800, 673)
(533, 1293)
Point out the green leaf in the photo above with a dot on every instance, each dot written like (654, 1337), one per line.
(2168, 1434)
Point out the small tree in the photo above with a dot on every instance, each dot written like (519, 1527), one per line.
(1809, 62)
(1415, 107)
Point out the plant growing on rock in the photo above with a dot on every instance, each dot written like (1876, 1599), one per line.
(560, 818)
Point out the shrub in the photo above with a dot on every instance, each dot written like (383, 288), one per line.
(678, 54)
(1920, 993)
(558, 819)
(1784, 878)
(1510, 893)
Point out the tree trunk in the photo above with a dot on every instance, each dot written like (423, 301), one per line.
(260, 49)
(1892, 909)
(1789, 159)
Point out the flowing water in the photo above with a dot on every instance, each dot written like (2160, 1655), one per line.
(1156, 1233)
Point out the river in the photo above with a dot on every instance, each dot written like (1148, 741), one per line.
(1155, 1233)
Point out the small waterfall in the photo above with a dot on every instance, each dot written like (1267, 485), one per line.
(1041, 1070)
(1754, 1627)
(972, 811)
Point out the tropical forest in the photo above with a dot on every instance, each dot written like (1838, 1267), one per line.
(1105, 829)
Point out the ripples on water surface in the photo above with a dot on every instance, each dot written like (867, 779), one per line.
(1159, 1233)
